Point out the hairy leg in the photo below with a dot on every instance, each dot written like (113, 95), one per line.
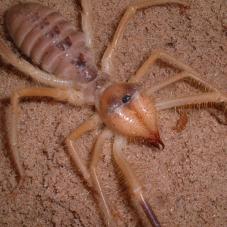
(209, 97)
(186, 72)
(104, 135)
(87, 126)
(213, 95)
(56, 93)
(35, 73)
(165, 83)
(133, 183)
(106, 62)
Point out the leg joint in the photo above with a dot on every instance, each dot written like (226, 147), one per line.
(131, 9)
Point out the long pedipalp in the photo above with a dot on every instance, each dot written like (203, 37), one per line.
(149, 212)
(135, 186)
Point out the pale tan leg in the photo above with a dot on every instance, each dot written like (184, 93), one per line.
(210, 97)
(48, 79)
(106, 62)
(165, 83)
(106, 134)
(56, 93)
(133, 183)
(92, 178)
(187, 72)
(86, 21)
(88, 125)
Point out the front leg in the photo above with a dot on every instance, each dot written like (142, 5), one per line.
(211, 97)
(56, 93)
(186, 72)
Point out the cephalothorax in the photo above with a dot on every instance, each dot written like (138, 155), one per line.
(67, 63)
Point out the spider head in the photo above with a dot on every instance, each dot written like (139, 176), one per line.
(131, 113)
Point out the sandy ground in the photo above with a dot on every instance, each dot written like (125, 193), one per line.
(185, 183)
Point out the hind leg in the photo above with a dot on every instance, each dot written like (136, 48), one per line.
(86, 21)
(9, 57)
(56, 93)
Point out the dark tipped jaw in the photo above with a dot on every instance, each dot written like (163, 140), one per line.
(150, 142)
(156, 143)
(144, 108)
(160, 145)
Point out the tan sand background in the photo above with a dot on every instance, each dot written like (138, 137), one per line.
(185, 183)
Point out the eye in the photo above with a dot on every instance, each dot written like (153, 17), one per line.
(126, 98)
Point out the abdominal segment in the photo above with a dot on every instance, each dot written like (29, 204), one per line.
(51, 42)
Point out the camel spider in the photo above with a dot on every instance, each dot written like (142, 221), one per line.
(126, 110)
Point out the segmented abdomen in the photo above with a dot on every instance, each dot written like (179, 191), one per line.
(46, 37)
